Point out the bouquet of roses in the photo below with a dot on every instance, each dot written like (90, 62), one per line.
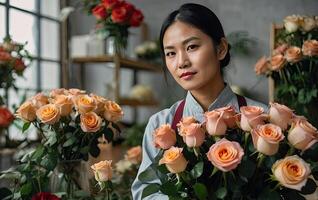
(114, 17)
(294, 64)
(70, 124)
(250, 155)
(13, 61)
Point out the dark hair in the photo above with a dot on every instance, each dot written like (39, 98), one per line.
(200, 17)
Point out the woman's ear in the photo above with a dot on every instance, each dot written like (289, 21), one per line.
(222, 49)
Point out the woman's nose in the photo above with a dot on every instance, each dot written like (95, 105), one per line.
(183, 60)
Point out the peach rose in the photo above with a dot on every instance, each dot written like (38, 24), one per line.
(76, 92)
(113, 111)
(225, 155)
(251, 116)
(64, 103)
(310, 48)
(292, 23)
(48, 114)
(39, 100)
(134, 155)
(58, 91)
(103, 170)
(100, 103)
(193, 135)
(308, 24)
(262, 66)
(291, 172)
(229, 115)
(84, 103)
(277, 62)
(293, 54)
(280, 115)
(185, 121)
(174, 160)
(266, 138)
(281, 49)
(90, 122)
(26, 112)
(164, 137)
(302, 135)
(215, 124)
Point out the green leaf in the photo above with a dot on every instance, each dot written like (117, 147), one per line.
(292, 194)
(81, 193)
(51, 139)
(25, 127)
(311, 153)
(169, 189)
(150, 189)
(267, 193)
(69, 142)
(147, 175)
(309, 188)
(200, 191)
(38, 153)
(26, 189)
(247, 168)
(221, 193)
(197, 170)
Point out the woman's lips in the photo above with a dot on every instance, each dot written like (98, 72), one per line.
(187, 75)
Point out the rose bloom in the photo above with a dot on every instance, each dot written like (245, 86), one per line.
(84, 103)
(174, 160)
(185, 121)
(292, 23)
(134, 155)
(164, 137)
(291, 172)
(262, 66)
(113, 111)
(45, 196)
(65, 104)
(194, 135)
(251, 116)
(4, 57)
(215, 124)
(103, 171)
(100, 103)
(293, 54)
(281, 49)
(308, 24)
(121, 13)
(58, 91)
(266, 138)
(75, 91)
(19, 65)
(225, 155)
(136, 18)
(26, 112)
(229, 115)
(99, 12)
(6, 117)
(310, 48)
(277, 62)
(39, 100)
(122, 166)
(48, 114)
(109, 4)
(302, 135)
(280, 115)
(90, 122)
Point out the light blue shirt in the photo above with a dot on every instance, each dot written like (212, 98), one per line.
(191, 108)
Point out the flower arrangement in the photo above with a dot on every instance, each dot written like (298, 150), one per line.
(114, 17)
(14, 58)
(250, 155)
(69, 123)
(148, 50)
(293, 64)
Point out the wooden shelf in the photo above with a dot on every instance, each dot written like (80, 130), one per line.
(135, 102)
(124, 62)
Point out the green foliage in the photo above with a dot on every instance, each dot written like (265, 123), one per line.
(134, 135)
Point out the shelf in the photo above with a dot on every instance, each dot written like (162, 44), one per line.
(135, 102)
(124, 62)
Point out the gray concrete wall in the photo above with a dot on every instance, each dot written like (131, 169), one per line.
(254, 16)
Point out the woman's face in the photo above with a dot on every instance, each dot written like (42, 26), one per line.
(191, 57)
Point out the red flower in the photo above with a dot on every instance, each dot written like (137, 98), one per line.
(45, 196)
(6, 117)
(109, 4)
(136, 18)
(19, 65)
(4, 56)
(99, 11)
(122, 12)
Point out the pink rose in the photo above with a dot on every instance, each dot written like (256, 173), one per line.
(262, 66)
(251, 116)
(134, 155)
(39, 100)
(103, 170)
(277, 62)
(266, 138)
(302, 135)
(194, 135)
(215, 124)
(310, 48)
(26, 112)
(174, 160)
(281, 49)
(280, 115)
(64, 103)
(229, 115)
(164, 137)
(185, 121)
(293, 54)
(225, 155)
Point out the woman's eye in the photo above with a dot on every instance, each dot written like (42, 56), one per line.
(169, 54)
(191, 47)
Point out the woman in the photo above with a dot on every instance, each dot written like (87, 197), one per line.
(195, 51)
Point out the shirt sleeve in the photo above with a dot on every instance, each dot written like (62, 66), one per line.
(149, 153)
